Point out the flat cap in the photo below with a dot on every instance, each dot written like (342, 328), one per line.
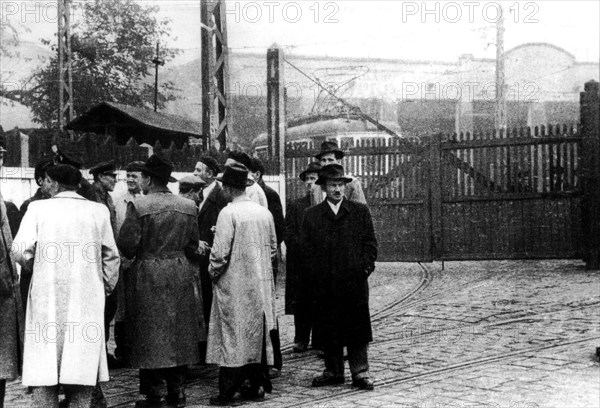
(135, 166)
(104, 167)
(211, 163)
(192, 182)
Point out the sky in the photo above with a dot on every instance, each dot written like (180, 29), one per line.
(429, 30)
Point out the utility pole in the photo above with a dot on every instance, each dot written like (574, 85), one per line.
(215, 72)
(500, 111)
(65, 74)
(156, 61)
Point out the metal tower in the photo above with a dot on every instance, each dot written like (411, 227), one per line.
(215, 73)
(65, 74)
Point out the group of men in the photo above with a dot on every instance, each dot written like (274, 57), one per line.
(187, 279)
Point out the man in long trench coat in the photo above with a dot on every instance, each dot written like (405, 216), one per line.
(164, 311)
(11, 312)
(340, 247)
(243, 309)
(68, 243)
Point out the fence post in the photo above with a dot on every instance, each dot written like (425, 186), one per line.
(435, 197)
(590, 174)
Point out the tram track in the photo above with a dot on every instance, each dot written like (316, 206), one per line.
(386, 382)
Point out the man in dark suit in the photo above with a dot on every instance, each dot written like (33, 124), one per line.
(276, 210)
(298, 288)
(340, 247)
(214, 200)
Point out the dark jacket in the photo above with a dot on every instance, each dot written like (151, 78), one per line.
(341, 251)
(297, 282)
(37, 196)
(276, 209)
(103, 197)
(207, 218)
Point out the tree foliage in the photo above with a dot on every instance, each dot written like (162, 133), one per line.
(112, 49)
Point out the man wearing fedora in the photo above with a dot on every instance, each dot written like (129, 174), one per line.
(68, 243)
(340, 247)
(331, 154)
(243, 310)
(210, 206)
(298, 287)
(164, 327)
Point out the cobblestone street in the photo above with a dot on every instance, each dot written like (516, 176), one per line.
(495, 334)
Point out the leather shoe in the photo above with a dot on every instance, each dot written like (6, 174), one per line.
(300, 347)
(363, 384)
(223, 401)
(257, 395)
(176, 400)
(324, 380)
(274, 373)
(149, 402)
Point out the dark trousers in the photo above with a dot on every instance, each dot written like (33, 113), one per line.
(110, 310)
(77, 396)
(357, 359)
(302, 326)
(2, 392)
(152, 380)
(24, 283)
(274, 334)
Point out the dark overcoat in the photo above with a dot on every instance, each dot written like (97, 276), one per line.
(207, 219)
(276, 209)
(297, 282)
(11, 312)
(341, 251)
(163, 311)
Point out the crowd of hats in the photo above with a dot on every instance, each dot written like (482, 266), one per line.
(66, 171)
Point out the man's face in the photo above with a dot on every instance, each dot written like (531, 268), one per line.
(108, 180)
(51, 185)
(46, 186)
(334, 190)
(202, 171)
(144, 183)
(309, 180)
(133, 181)
(329, 158)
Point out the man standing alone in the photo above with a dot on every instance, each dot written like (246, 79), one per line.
(161, 232)
(340, 247)
(243, 309)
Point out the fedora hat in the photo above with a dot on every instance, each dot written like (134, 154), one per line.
(330, 147)
(159, 167)
(64, 174)
(236, 175)
(313, 167)
(332, 172)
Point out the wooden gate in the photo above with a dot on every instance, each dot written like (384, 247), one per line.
(513, 195)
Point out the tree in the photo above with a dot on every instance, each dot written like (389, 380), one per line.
(112, 50)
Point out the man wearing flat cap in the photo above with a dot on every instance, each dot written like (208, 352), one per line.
(243, 309)
(190, 187)
(68, 243)
(340, 248)
(163, 323)
(213, 202)
(133, 176)
(331, 154)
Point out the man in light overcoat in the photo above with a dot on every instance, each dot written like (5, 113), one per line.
(68, 243)
(243, 309)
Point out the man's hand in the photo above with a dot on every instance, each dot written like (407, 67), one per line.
(203, 248)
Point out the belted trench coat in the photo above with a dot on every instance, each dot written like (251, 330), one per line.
(163, 302)
(340, 251)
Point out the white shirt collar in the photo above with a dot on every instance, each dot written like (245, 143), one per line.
(335, 207)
